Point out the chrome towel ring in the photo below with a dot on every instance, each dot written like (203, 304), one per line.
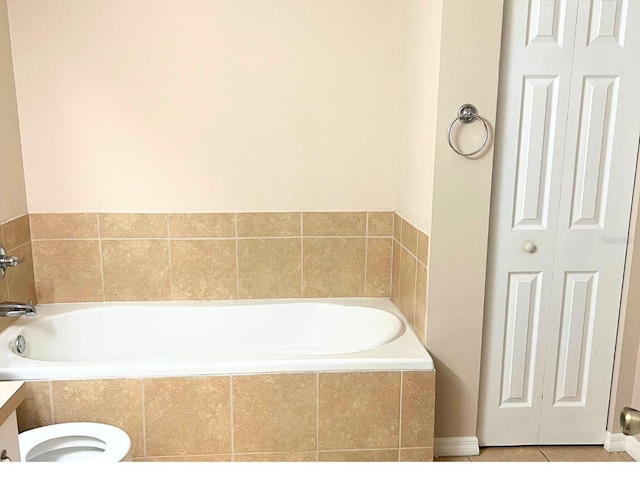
(468, 113)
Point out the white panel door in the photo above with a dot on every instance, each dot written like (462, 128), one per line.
(566, 145)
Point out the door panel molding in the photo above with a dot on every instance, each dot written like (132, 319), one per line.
(521, 328)
(576, 338)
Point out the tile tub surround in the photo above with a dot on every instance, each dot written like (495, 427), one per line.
(94, 257)
(410, 274)
(18, 283)
(324, 416)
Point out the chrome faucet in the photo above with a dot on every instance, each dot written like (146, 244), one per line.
(14, 309)
(7, 261)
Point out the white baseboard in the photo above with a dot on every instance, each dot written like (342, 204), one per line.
(615, 442)
(468, 446)
(456, 447)
(619, 442)
(633, 448)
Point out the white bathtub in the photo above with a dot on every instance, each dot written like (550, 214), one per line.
(143, 339)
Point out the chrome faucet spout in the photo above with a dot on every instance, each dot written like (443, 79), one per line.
(16, 309)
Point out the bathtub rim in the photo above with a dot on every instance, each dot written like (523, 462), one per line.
(404, 353)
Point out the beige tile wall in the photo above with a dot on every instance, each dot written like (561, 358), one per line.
(18, 283)
(358, 416)
(363, 416)
(409, 275)
(89, 257)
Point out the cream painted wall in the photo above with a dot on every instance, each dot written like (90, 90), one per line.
(218, 105)
(13, 201)
(625, 390)
(469, 67)
(419, 77)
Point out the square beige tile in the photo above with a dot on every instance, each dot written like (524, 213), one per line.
(580, 453)
(202, 225)
(270, 268)
(359, 456)
(116, 402)
(136, 270)
(420, 316)
(418, 408)
(380, 224)
(416, 454)
(333, 267)
(397, 227)
(276, 457)
(67, 271)
(6, 322)
(16, 233)
(450, 459)
(35, 410)
(334, 224)
(378, 281)
(133, 225)
(4, 290)
(509, 454)
(423, 248)
(274, 413)
(20, 279)
(358, 410)
(395, 271)
(187, 416)
(269, 224)
(410, 237)
(407, 286)
(203, 270)
(54, 226)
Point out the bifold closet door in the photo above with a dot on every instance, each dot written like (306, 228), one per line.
(566, 145)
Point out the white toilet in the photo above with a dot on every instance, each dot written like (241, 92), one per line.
(75, 442)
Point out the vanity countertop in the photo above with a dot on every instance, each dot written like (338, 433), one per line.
(12, 393)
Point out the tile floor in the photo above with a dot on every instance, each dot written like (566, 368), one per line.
(542, 453)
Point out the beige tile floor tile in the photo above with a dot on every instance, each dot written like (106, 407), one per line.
(187, 458)
(451, 459)
(582, 453)
(509, 454)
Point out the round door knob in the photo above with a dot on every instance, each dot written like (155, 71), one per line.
(528, 246)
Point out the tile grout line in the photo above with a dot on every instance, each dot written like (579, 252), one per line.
(144, 420)
(104, 295)
(2, 229)
(272, 237)
(53, 415)
(393, 221)
(547, 458)
(235, 231)
(169, 255)
(317, 414)
(302, 258)
(400, 414)
(366, 252)
(415, 294)
(231, 448)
